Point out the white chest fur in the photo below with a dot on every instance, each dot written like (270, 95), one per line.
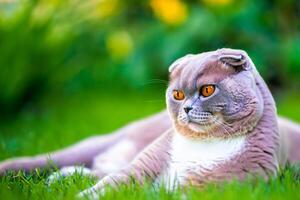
(188, 154)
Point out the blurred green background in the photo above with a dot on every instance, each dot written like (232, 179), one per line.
(72, 68)
(64, 47)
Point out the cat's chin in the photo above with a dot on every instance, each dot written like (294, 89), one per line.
(192, 130)
(197, 128)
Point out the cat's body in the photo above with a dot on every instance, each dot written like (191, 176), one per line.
(235, 132)
(187, 154)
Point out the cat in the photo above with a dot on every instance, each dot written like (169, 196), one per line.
(220, 123)
(224, 126)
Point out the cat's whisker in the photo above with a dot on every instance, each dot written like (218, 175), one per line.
(221, 125)
(207, 128)
(224, 126)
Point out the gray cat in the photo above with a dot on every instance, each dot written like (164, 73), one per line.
(221, 123)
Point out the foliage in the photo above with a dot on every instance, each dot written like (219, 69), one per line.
(51, 45)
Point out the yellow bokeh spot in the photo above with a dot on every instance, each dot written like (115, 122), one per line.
(119, 45)
(218, 2)
(172, 12)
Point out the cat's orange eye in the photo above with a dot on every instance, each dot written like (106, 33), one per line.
(207, 90)
(178, 94)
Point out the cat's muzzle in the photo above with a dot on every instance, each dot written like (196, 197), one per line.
(199, 117)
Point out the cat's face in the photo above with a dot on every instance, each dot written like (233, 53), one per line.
(214, 94)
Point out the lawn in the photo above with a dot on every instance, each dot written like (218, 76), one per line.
(59, 120)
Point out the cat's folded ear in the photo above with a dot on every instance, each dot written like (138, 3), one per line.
(237, 59)
(179, 62)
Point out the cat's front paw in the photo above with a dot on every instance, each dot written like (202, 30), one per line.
(67, 171)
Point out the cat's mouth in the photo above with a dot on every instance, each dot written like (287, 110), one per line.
(200, 118)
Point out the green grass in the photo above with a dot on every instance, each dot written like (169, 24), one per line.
(57, 121)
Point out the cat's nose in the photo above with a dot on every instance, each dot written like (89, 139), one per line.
(187, 109)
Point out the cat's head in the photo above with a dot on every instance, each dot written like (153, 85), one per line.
(214, 94)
